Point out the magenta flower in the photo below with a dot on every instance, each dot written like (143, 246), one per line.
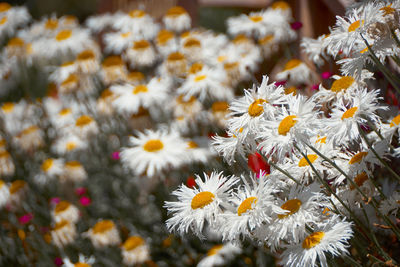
(85, 201)
(80, 191)
(280, 83)
(326, 75)
(115, 155)
(58, 261)
(54, 200)
(296, 25)
(24, 219)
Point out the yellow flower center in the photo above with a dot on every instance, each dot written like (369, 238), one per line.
(70, 146)
(61, 206)
(192, 144)
(355, 25)
(191, 42)
(176, 56)
(126, 34)
(7, 107)
(142, 44)
(219, 106)
(63, 35)
(176, 11)
(135, 76)
(133, 242)
(303, 162)
(292, 205)
(349, 113)
(286, 124)
(256, 108)
(16, 186)
(4, 154)
(86, 55)
(291, 90)
(321, 140)
(4, 7)
(202, 199)
(312, 240)
(280, 5)
(359, 180)
(357, 157)
(241, 38)
(51, 24)
(141, 88)
(137, 13)
(266, 39)
(83, 120)
(64, 112)
(2, 183)
(3, 20)
(112, 61)
(247, 205)
(196, 67)
(214, 250)
(102, 226)
(364, 50)
(387, 10)
(72, 164)
(342, 84)
(200, 78)
(30, 130)
(60, 225)
(164, 36)
(72, 78)
(47, 164)
(231, 65)
(153, 145)
(395, 121)
(15, 42)
(256, 18)
(81, 264)
(291, 64)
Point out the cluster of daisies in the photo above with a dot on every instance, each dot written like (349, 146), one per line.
(324, 156)
(122, 102)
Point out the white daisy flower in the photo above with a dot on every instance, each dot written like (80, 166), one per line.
(296, 72)
(177, 19)
(113, 70)
(253, 24)
(67, 143)
(345, 118)
(206, 84)
(85, 126)
(130, 98)
(154, 152)
(198, 206)
(138, 22)
(141, 54)
(100, 22)
(220, 255)
(63, 233)
(117, 42)
(30, 138)
(332, 238)
(253, 206)
(135, 251)
(18, 190)
(302, 206)
(103, 233)
(50, 168)
(65, 211)
(257, 106)
(73, 171)
(7, 167)
(82, 261)
(166, 42)
(294, 124)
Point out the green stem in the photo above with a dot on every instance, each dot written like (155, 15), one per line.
(281, 170)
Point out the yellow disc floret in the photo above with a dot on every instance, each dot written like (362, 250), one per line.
(342, 84)
(349, 113)
(292, 205)
(153, 145)
(202, 199)
(312, 240)
(246, 205)
(303, 161)
(286, 124)
(256, 108)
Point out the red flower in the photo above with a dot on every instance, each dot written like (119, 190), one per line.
(190, 182)
(24, 219)
(256, 163)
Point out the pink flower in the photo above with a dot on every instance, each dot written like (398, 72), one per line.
(115, 155)
(54, 200)
(85, 201)
(58, 261)
(280, 83)
(24, 219)
(315, 87)
(80, 191)
(326, 75)
(296, 25)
